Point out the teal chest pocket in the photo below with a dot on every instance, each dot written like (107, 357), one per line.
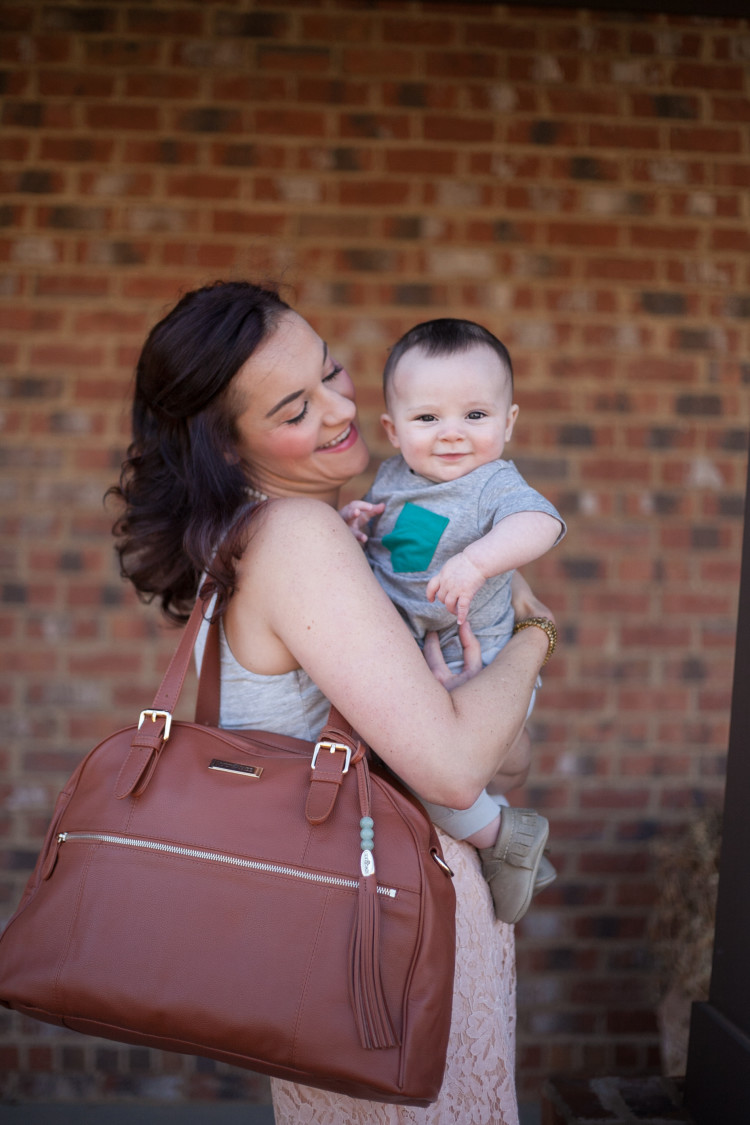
(414, 538)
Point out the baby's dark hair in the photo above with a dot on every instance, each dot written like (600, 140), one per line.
(446, 335)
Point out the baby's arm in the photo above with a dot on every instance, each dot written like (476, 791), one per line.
(357, 515)
(515, 540)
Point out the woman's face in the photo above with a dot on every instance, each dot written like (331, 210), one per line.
(296, 423)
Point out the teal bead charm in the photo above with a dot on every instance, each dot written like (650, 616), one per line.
(366, 833)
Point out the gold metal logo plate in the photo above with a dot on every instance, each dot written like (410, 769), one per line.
(235, 767)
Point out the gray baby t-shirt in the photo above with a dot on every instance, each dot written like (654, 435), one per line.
(425, 523)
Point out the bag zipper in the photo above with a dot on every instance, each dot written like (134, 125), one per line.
(216, 857)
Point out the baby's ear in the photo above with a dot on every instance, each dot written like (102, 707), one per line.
(511, 421)
(387, 424)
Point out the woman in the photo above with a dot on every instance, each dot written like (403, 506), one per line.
(243, 420)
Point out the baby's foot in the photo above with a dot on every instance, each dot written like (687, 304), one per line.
(546, 874)
(512, 865)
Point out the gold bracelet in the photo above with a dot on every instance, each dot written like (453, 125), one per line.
(546, 625)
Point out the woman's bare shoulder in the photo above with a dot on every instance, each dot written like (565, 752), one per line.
(301, 571)
(293, 508)
(294, 537)
(283, 569)
(295, 523)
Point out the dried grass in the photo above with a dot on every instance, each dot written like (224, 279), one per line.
(682, 924)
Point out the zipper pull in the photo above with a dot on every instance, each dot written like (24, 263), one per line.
(51, 860)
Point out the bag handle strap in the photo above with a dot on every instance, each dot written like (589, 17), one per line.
(208, 701)
(155, 722)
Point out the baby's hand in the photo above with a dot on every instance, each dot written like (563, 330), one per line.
(357, 515)
(455, 585)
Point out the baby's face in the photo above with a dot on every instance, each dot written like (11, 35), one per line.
(449, 414)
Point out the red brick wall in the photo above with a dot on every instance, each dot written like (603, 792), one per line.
(577, 181)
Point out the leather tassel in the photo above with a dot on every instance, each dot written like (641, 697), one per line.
(368, 1001)
(365, 986)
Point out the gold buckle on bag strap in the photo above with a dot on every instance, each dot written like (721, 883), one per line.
(332, 747)
(154, 715)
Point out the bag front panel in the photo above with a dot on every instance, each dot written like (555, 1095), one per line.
(162, 942)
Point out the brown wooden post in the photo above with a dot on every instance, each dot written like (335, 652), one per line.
(717, 1081)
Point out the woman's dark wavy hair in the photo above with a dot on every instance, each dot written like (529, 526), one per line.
(182, 484)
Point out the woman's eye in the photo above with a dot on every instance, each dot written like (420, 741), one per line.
(332, 374)
(294, 421)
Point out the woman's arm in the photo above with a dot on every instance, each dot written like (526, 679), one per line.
(306, 597)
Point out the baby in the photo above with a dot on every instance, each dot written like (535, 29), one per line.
(450, 522)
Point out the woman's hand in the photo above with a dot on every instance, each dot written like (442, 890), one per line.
(524, 601)
(440, 670)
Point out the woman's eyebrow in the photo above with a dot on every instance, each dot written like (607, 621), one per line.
(283, 402)
(295, 394)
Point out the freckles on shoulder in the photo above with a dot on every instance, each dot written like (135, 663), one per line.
(304, 545)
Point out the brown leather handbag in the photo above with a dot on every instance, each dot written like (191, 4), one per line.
(253, 898)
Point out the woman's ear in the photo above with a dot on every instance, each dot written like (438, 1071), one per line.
(510, 421)
(390, 429)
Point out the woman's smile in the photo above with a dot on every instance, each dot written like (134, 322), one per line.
(349, 436)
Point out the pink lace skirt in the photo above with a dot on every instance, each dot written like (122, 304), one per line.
(479, 1086)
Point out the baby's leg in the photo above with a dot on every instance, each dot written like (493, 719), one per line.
(480, 822)
(486, 836)
(511, 775)
(515, 768)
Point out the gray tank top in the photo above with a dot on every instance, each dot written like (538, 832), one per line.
(289, 703)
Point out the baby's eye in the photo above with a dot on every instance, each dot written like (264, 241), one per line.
(474, 415)
(425, 418)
